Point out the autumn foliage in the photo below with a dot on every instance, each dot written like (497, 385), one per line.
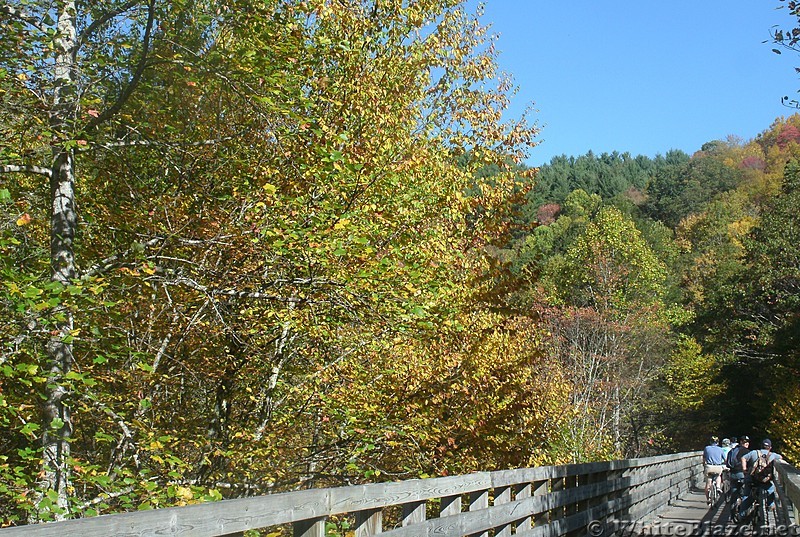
(301, 248)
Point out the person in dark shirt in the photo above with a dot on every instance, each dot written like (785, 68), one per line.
(749, 463)
(734, 463)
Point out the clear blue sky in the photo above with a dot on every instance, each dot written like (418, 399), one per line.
(640, 75)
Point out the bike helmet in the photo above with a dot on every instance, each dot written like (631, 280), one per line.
(766, 443)
(743, 439)
(726, 442)
(713, 441)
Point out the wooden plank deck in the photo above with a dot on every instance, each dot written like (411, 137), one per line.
(691, 515)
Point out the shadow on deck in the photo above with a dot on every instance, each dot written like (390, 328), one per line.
(690, 515)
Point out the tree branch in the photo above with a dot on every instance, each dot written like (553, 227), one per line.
(191, 284)
(100, 21)
(38, 170)
(161, 144)
(111, 260)
(137, 75)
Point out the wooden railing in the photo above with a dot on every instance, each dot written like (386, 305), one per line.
(788, 490)
(544, 501)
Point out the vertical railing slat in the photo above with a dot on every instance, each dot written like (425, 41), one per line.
(314, 527)
(556, 487)
(502, 495)
(521, 492)
(479, 500)
(451, 505)
(414, 513)
(540, 488)
(369, 522)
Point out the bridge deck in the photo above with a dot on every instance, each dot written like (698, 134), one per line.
(691, 515)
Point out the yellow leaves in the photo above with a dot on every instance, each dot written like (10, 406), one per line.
(411, 289)
(24, 220)
(688, 373)
(184, 493)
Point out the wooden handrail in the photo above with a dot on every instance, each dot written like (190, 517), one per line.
(788, 487)
(548, 500)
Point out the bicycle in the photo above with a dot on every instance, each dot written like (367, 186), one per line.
(757, 515)
(735, 498)
(714, 493)
(726, 484)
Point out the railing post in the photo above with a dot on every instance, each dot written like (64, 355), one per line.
(521, 492)
(479, 500)
(606, 476)
(556, 486)
(369, 522)
(783, 501)
(540, 488)
(502, 495)
(414, 513)
(626, 474)
(451, 505)
(573, 482)
(314, 527)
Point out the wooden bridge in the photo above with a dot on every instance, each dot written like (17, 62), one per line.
(650, 496)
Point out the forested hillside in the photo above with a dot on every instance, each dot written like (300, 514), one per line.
(669, 287)
(254, 247)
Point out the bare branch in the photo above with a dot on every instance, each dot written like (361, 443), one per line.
(137, 75)
(38, 170)
(106, 17)
(164, 343)
(191, 284)
(159, 144)
(103, 497)
(110, 261)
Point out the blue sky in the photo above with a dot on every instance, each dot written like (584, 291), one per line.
(643, 76)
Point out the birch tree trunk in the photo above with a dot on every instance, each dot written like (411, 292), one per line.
(56, 419)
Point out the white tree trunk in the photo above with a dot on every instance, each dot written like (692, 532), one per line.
(56, 417)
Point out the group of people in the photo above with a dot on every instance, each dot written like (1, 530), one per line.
(745, 468)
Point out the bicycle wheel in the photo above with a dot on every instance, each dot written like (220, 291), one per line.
(712, 494)
(763, 512)
(758, 517)
(735, 505)
(755, 521)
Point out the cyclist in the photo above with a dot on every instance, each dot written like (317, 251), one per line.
(726, 474)
(760, 463)
(734, 463)
(726, 446)
(713, 464)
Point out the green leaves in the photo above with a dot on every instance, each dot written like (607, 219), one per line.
(278, 198)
